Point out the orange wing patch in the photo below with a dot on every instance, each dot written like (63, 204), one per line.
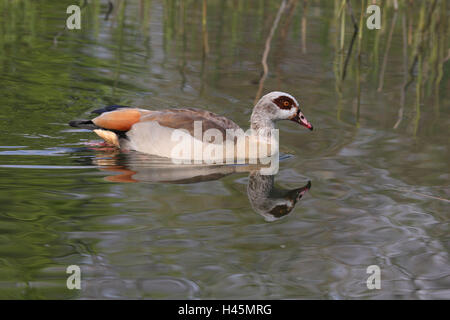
(121, 120)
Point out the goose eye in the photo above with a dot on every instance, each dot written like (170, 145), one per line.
(286, 103)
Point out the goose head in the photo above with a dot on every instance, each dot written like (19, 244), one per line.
(276, 106)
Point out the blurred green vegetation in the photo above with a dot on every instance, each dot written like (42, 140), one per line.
(361, 56)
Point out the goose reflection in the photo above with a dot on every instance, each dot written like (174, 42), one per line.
(270, 202)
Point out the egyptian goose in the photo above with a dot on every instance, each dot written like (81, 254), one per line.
(152, 132)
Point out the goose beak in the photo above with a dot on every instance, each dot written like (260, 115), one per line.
(297, 194)
(301, 119)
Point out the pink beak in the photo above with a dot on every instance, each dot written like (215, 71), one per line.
(300, 118)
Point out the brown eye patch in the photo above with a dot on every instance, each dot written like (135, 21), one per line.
(284, 102)
(280, 211)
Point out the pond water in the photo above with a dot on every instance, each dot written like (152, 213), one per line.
(377, 160)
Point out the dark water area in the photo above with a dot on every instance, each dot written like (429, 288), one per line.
(377, 160)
